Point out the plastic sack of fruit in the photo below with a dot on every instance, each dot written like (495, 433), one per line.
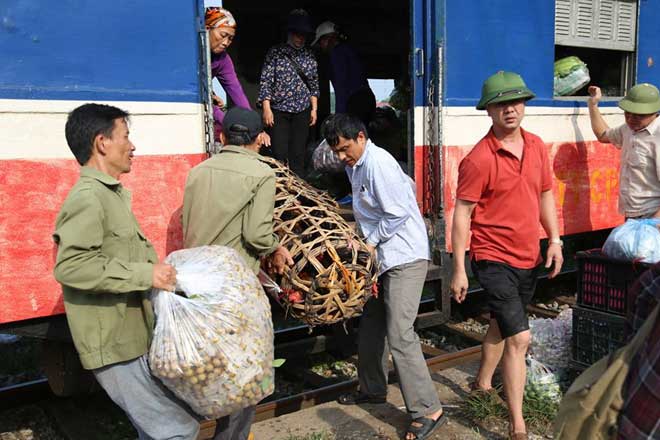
(325, 160)
(635, 240)
(213, 347)
(542, 384)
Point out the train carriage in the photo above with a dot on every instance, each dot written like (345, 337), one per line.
(150, 58)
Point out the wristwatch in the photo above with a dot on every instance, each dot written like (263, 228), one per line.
(556, 241)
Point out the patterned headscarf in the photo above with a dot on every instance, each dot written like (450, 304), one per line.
(219, 17)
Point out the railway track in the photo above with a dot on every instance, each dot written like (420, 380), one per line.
(24, 393)
(38, 391)
(308, 399)
(296, 342)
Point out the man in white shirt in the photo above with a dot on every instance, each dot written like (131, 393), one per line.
(639, 141)
(386, 211)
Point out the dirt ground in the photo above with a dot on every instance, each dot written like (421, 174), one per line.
(329, 421)
(387, 421)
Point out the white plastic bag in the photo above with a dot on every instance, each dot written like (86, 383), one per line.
(637, 240)
(551, 340)
(571, 83)
(325, 160)
(542, 384)
(271, 287)
(213, 349)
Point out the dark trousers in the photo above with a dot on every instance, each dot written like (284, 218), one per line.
(363, 105)
(289, 138)
(235, 426)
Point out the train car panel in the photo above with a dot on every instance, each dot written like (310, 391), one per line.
(32, 192)
(102, 51)
(648, 37)
(34, 128)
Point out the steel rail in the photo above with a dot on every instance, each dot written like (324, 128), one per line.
(24, 393)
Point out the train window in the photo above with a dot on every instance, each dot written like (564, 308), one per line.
(599, 34)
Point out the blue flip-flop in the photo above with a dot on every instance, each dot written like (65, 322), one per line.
(346, 200)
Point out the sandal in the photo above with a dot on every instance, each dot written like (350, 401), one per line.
(427, 426)
(357, 398)
(517, 435)
(490, 393)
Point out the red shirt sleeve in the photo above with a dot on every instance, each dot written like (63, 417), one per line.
(471, 181)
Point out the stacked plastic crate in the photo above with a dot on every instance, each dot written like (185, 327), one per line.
(603, 301)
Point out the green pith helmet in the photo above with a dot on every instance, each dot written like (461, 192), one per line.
(503, 86)
(642, 99)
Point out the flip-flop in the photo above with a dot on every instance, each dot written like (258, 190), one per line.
(428, 426)
(358, 398)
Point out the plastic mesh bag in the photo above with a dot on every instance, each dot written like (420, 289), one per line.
(542, 384)
(551, 340)
(325, 160)
(571, 74)
(637, 240)
(214, 347)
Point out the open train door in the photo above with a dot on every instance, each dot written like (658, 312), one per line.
(425, 133)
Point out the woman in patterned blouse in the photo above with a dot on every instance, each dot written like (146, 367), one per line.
(289, 90)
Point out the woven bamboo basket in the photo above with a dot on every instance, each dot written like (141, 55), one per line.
(334, 273)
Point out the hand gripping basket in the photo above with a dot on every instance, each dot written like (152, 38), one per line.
(334, 273)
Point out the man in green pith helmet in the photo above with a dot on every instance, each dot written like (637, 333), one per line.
(504, 190)
(639, 141)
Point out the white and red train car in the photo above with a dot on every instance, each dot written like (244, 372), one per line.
(148, 58)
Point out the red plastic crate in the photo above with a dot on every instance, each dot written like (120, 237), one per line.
(604, 283)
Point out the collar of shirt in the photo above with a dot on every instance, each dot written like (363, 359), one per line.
(495, 144)
(653, 127)
(362, 158)
(93, 173)
(240, 150)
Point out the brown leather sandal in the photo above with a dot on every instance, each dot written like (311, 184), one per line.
(517, 435)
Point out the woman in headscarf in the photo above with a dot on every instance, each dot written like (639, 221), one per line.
(221, 26)
(289, 90)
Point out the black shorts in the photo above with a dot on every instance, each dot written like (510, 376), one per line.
(509, 291)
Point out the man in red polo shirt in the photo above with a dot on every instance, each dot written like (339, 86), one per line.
(504, 190)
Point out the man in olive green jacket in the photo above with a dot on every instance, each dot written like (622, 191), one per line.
(229, 201)
(107, 267)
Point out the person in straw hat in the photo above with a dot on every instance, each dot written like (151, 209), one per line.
(639, 141)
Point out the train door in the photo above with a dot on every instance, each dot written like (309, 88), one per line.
(427, 44)
(398, 41)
